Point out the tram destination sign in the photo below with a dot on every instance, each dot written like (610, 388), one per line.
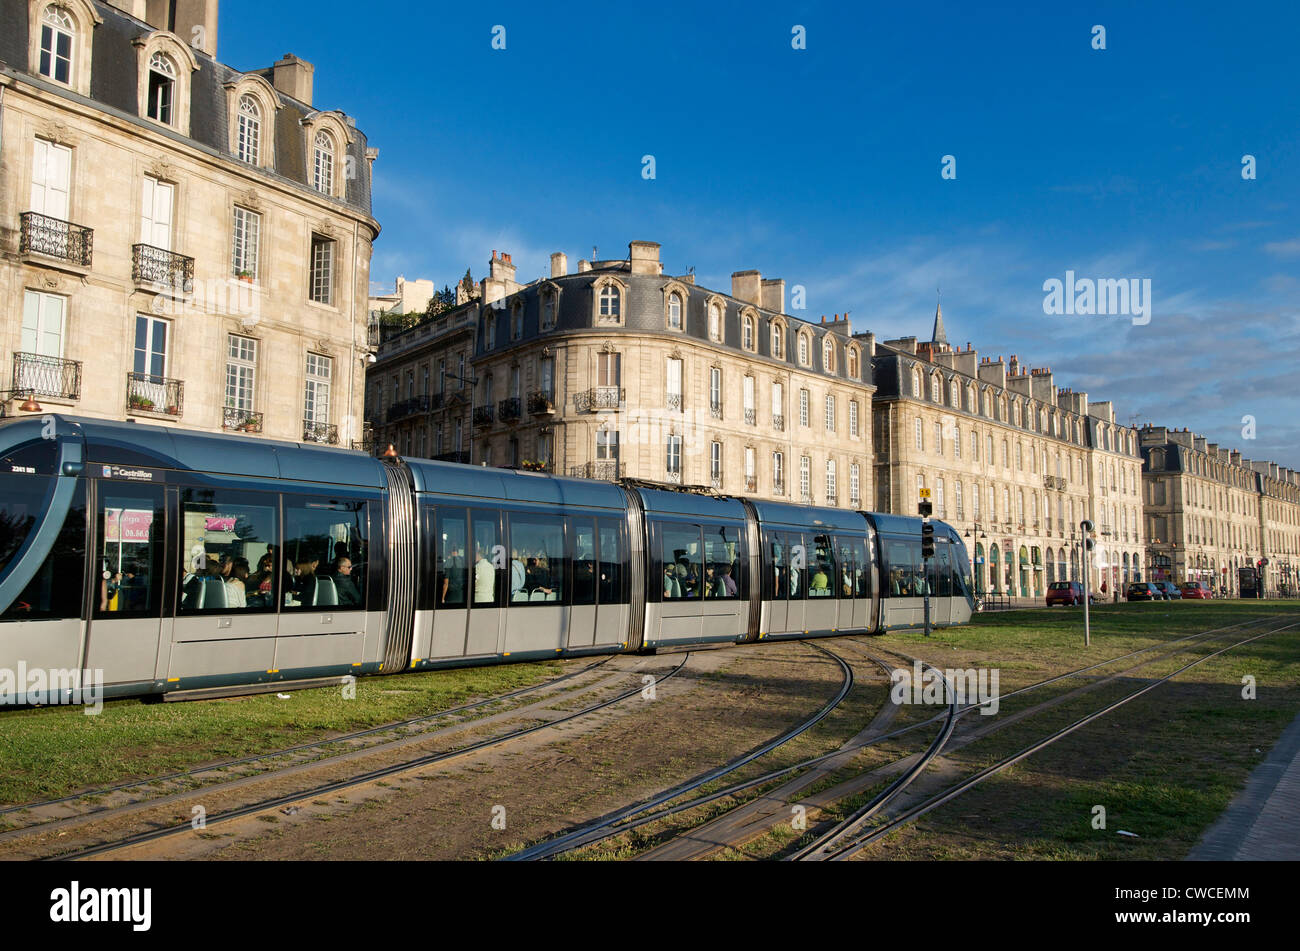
(131, 474)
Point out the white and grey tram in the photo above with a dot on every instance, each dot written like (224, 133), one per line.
(190, 564)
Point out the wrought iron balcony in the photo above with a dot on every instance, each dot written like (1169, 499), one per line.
(715, 409)
(483, 416)
(674, 476)
(322, 433)
(603, 469)
(541, 402)
(778, 488)
(750, 417)
(364, 445)
(856, 502)
(834, 500)
(598, 398)
(52, 238)
(778, 423)
(408, 407)
(241, 420)
(674, 401)
(146, 393)
(510, 409)
(150, 265)
(751, 483)
(52, 377)
(715, 480)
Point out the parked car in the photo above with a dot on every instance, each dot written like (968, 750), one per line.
(1196, 589)
(1143, 591)
(1168, 590)
(1067, 592)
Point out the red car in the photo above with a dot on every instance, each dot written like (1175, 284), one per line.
(1195, 589)
(1067, 592)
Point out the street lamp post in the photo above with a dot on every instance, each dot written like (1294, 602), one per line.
(980, 536)
(473, 382)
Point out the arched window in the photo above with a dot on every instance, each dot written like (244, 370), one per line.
(936, 389)
(803, 350)
(323, 164)
(778, 340)
(747, 337)
(916, 384)
(828, 355)
(715, 322)
(611, 303)
(674, 310)
(988, 404)
(853, 362)
(57, 36)
(956, 394)
(162, 88)
(248, 146)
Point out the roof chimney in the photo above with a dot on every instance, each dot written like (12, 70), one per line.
(293, 77)
(559, 264)
(773, 294)
(644, 257)
(747, 286)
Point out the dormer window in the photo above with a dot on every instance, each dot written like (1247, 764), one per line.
(323, 165)
(803, 350)
(747, 335)
(778, 340)
(248, 145)
(57, 33)
(611, 303)
(674, 310)
(162, 88)
(828, 355)
(715, 322)
(853, 363)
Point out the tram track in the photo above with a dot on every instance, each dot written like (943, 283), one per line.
(821, 766)
(335, 786)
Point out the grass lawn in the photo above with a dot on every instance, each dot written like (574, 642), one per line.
(52, 751)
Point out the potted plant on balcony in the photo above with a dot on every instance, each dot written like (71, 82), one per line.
(141, 402)
(533, 465)
(251, 424)
(245, 276)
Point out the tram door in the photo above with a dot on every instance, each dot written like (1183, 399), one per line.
(450, 532)
(127, 580)
(854, 582)
(941, 583)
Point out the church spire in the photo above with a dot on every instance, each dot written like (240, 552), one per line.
(938, 337)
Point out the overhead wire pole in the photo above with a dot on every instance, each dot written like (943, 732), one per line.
(924, 508)
(1087, 543)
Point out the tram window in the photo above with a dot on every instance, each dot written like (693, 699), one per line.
(229, 559)
(451, 580)
(722, 561)
(129, 533)
(537, 558)
(582, 531)
(682, 562)
(941, 569)
(774, 578)
(821, 568)
(799, 559)
(861, 575)
(55, 590)
(488, 557)
(326, 543)
(906, 574)
(612, 559)
(851, 553)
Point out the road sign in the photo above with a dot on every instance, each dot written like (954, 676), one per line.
(925, 493)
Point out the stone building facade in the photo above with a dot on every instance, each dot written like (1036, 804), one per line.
(1010, 460)
(180, 242)
(617, 370)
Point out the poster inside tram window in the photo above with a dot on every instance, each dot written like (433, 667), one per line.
(127, 525)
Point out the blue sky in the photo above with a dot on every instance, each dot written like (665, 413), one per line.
(822, 166)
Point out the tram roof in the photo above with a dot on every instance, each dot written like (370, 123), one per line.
(506, 485)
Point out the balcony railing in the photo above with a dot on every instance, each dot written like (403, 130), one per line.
(240, 420)
(778, 423)
(715, 480)
(541, 401)
(604, 469)
(408, 407)
(778, 488)
(150, 265)
(751, 483)
(322, 433)
(715, 409)
(146, 393)
(483, 416)
(834, 500)
(674, 476)
(52, 377)
(598, 398)
(364, 445)
(510, 409)
(674, 401)
(41, 234)
(856, 502)
(750, 417)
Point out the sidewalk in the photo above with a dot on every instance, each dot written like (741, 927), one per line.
(1263, 822)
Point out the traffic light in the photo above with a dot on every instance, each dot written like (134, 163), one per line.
(924, 508)
(1089, 543)
(927, 540)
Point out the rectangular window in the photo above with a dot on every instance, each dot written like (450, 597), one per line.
(920, 435)
(853, 418)
(241, 372)
(778, 472)
(778, 400)
(228, 540)
(803, 407)
(683, 567)
(608, 369)
(51, 175)
(243, 257)
(938, 438)
(855, 484)
(675, 380)
(715, 462)
(805, 478)
(956, 443)
(747, 395)
(316, 405)
(673, 461)
(607, 445)
(156, 214)
(715, 389)
(325, 540)
(547, 376)
(537, 557)
(830, 414)
(43, 328)
(939, 507)
(159, 105)
(56, 53)
(322, 270)
(831, 488)
(129, 528)
(609, 586)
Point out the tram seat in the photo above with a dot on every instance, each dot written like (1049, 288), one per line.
(212, 596)
(550, 597)
(538, 595)
(520, 595)
(326, 593)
